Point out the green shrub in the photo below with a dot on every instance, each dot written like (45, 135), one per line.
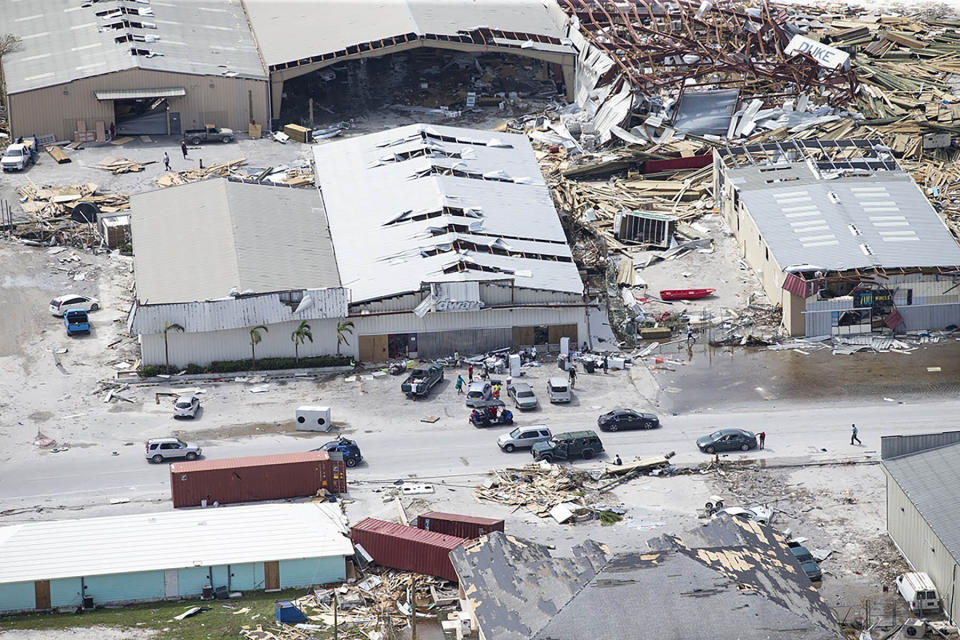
(149, 371)
(237, 366)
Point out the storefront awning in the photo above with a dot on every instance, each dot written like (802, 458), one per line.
(128, 94)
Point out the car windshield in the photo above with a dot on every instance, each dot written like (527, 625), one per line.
(184, 403)
(515, 433)
(805, 557)
(716, 435)
(559, 389)
(181, 443)
(13, 153)
(419, 373)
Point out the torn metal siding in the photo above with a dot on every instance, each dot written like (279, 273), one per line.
(237, 313)
(600, 90)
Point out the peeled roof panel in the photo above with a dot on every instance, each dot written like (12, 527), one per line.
(122, 94)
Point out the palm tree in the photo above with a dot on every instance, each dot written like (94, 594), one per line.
(299, 336)
(166, 351)
(344, 328)
(255, 338)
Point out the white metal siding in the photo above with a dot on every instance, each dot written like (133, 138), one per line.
(921, 547)
(483, 319)
(234, 344)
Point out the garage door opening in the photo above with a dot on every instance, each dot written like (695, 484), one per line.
(142, 112)
(421, 81)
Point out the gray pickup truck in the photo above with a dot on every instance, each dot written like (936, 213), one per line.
(422, 379)
(210, 134)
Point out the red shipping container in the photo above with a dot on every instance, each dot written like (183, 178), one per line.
(406, 548)
(454, 524)
(287, 475)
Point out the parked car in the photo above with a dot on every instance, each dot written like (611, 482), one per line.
(522, 395)
(477, 392)
(186, 406)
(17, 157)
(524, 437)
(566, 446)
(347, 447)
(621, 419)
(210, 134)
(558, 390)
(807, 563)
(756, 513)
(727, 440)
(61, 304)
(422, 379)
(76, 321)
(161, 449)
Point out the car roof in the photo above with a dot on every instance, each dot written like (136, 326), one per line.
(16, 147)
(479, 384)
(534, 427)
(187, 396)
(570, 435)
(557, 382)
(521, 385)
(164, 440)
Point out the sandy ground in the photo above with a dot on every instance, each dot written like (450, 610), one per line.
(79, 633)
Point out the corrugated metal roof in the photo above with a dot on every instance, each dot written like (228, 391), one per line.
(878, 220)
(201, 240)
(931, 480)
(63, 40)
(456, 517)
(240, 312)
(171, 540)
(289, 30)
(390, 192)
(249, 461)
(123, 94)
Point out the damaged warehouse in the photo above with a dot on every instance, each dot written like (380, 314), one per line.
(332, 47)
(840, 235)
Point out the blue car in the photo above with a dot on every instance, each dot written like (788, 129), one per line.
(76, 321)
(345, 446)
(807, 563)
(727, 440)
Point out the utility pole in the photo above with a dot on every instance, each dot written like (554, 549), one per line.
(311, 114)
(336, 630)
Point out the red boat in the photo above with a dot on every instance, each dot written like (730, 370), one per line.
(684, 294)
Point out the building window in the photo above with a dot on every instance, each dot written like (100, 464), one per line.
(909, 297)
(541, 335)
(291, 298)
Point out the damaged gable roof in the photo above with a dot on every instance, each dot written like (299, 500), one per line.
(752, 592)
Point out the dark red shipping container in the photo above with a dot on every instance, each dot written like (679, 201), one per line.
(454, 524)
(674, 164)
(406, 548)
(287, 475)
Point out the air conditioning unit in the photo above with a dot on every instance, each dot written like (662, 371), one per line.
(914, 628)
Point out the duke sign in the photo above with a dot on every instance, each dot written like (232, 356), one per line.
(824, 55)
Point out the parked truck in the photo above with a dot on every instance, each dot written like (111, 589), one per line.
(18, 157)
(210, 134)
(422, 379)
(566, 446)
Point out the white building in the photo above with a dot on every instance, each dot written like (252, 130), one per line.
(840, 236)
(429, 239)
(448, 240)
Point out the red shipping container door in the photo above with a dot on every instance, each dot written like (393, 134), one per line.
(454, 524)
(406, 548)
(288, 475)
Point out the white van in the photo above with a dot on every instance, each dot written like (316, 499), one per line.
(558, 390)
(919, 591)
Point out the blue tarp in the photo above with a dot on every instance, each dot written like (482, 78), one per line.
(287, 613)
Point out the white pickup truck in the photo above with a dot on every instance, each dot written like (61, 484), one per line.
(17, 157)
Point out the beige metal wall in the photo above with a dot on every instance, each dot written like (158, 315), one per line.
(921, 547)
(221, 101)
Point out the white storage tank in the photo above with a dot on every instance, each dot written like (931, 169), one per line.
(313, 419)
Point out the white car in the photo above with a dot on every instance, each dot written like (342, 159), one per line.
(186, 407)
(62, 304)
(757, 513)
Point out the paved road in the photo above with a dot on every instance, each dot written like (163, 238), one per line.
(95, 476)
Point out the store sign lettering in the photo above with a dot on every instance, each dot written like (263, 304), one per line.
(458, 305)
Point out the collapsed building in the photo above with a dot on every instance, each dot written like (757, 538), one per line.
(430, 240)
(840, 236)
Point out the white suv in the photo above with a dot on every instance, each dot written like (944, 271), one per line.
(61, 304)
(161, 449)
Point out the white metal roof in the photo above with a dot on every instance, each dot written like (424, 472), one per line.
(880, 219)
(199, 241)
(290, 30)
(171, 540)
(64, 40)
(391, 217)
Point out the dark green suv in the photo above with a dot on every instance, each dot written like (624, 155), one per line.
(566, 446)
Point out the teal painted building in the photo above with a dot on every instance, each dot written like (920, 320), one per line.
(171, 555)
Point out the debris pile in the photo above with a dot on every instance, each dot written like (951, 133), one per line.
(538, 486)
(116, 166)
(62, 215)
(223, 170)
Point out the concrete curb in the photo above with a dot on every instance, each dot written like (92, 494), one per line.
(277, 374)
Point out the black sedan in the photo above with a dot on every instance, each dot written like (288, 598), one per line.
(620, 419)
(727, 440)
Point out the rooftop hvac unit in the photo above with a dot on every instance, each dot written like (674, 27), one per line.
(914, 628)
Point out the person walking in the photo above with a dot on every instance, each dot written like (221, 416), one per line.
(763, 438)
(605, 365)
(470, 372)
(459, 384)
(183, 148)
(853, 435)
(113, 131)
(166, 161)
(573, 377)
(689, 333)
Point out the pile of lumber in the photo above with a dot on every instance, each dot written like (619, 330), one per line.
(52, 201)
(117, 166)
(223, 170)
(538, 486)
